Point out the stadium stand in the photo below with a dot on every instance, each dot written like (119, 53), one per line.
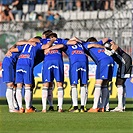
(116, 24)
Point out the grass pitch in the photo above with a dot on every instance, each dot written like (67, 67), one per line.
(66, 122)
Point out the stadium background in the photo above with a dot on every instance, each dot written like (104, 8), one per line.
(116, 24)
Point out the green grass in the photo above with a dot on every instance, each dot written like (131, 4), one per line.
(66, 122)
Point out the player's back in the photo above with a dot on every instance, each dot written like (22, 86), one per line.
(28, 54)
(76, 53)
(96, 54)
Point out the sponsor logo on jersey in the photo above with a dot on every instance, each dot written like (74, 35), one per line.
(24, 56)
(77, 52)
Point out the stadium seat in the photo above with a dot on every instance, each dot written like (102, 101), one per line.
(101, 15)
(66, 15)
(38, 8)
(87, 15)
(73, 15)
(25, 8)
(44, 7)
(80, 15)
(93, 15)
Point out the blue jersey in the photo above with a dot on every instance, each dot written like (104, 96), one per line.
(78, 64)
(75, 53)
(28, 54)
(56, 53)
(96, 54)
(11, 59)
(53, 66)
(9, 68)
(26, 62)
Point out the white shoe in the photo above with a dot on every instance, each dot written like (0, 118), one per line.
(13, 111)
(117, 109)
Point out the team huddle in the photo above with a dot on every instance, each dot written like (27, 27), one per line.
(21, 59)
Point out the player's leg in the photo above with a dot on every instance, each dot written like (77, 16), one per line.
(74, 96)
(83, 97)
(97, 93)
(19, 97)
(14, 98)
(44, 96)
(120, 92)
(10, 97)
(60, 96)
(50, 96)
(28, 98)
(104, 94)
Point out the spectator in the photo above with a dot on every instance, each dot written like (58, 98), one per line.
(7, 14)
(57, 18)
(109, 4)
(49, 19)
(31, 5)
(18, 8)
(60, 5)
(51, 4)
(69, 4)
(41, 21)
(78, 5)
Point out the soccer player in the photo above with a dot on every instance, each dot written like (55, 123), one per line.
(24, 72)
(104, 71)
(124, 69)
(53, 67)
(38, 59)
(78, 70)
(8, 75)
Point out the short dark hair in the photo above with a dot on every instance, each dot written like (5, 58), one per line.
(91, 39)
(52, 35)
(47, 33)
(38, 37)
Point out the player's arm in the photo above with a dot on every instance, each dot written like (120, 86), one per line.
(74, 41)
(58, 46)
(31, 42)
(49, 44)
(95, 46)
(9, 52)
(114, 46)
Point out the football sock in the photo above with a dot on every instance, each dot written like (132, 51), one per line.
(31, 93)
(44, 97)
(14, 98)
(19, 97)
(60, 97)
(86, 95)
(50, 96)
(83, 95)
(120, 95)
(105, 93)
(74, 96)
(9, 97)
(97, 93)
(124, 98)
(27, 97)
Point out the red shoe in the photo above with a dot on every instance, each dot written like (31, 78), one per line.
(93, 110)
(21, 110)
(60, 110)
(101, 109)
(30, 110)
(44, 111)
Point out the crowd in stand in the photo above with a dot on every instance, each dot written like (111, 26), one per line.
(13, 7)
